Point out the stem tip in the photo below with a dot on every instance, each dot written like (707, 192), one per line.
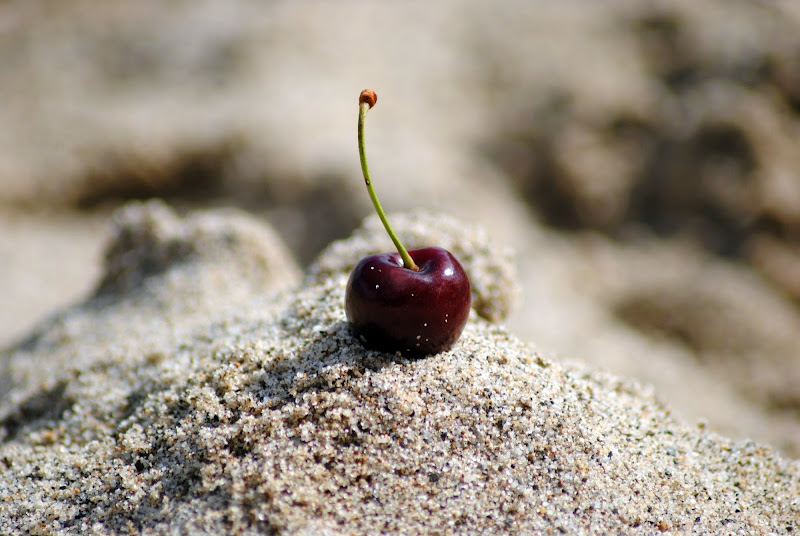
(369, 97)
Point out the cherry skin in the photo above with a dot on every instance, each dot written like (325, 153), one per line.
(418, 311)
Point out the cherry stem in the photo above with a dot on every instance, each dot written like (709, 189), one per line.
(367, 100)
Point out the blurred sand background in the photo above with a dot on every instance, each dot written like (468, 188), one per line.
(643, 160)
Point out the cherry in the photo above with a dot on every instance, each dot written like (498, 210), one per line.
(395, 308)
(415, 301)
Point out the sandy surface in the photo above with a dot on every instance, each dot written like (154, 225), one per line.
(259, 412)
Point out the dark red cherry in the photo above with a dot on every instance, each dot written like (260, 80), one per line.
(414, 301)
(419, 311)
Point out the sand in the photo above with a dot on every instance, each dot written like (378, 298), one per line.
(206, 388)
(640, 156)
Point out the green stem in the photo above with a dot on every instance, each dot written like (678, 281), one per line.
(363, 108)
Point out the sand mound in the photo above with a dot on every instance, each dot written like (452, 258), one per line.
(260, 412)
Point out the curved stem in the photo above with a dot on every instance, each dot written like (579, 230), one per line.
(363, 108)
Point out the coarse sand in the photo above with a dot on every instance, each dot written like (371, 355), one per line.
(202, 389)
